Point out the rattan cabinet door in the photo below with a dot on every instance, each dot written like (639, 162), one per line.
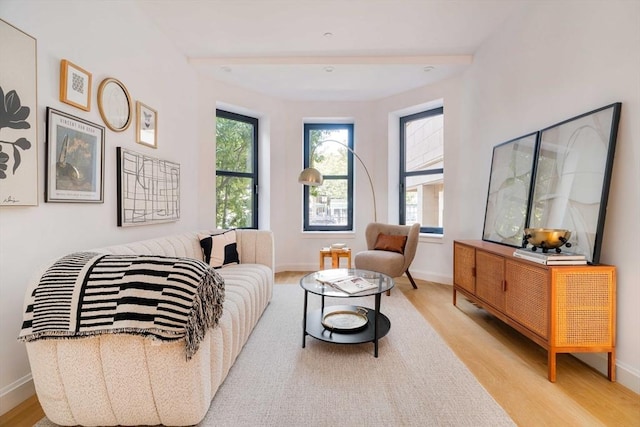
(527, 296)
(490, 278)
(464, 264)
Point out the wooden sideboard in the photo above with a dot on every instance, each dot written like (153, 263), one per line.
(564, 309)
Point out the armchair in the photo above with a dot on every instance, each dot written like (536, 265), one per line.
(387, 250)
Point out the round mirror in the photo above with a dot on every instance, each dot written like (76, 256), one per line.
(114, 103)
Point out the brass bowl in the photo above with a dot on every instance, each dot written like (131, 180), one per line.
(547, 238)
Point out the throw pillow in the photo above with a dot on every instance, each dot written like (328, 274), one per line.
(387, 242)
(220, 249)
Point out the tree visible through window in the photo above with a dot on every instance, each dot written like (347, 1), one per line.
(422, 170)
(236, 170)
(329, 207)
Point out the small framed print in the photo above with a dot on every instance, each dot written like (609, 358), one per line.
(146, 125)
(75, 159)
(75, 85)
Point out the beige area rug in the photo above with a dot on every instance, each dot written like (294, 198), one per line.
(416, 380)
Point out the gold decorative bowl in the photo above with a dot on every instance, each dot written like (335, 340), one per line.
(547, 238)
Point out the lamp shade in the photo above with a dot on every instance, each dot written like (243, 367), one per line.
(310, 176)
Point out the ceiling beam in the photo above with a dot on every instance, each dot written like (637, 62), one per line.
(334, 60)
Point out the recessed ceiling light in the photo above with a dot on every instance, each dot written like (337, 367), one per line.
(328, 34)
(226, 68)
(428, 68)
(329, 69)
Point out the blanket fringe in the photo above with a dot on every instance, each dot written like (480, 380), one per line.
(205, 311)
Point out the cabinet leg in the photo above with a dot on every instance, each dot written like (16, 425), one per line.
(611, 365)
(552, 366)
(454, 296)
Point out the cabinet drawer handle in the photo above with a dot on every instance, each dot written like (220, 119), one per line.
(473, 271)
(504, 286)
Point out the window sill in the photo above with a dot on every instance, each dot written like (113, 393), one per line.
(431, 238)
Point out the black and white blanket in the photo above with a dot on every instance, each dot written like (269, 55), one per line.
(87, 293)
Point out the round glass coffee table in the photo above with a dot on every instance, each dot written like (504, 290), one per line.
(345, 324)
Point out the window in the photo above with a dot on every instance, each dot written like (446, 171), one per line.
(236, 170)
(422, 170)
(329, 207)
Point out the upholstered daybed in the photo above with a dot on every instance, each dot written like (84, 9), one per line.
(125, 379)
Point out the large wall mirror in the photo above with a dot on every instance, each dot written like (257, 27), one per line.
(570, 185)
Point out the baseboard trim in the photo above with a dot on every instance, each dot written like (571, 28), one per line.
(16, 393)
(625, 375)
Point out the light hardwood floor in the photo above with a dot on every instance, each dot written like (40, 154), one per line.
(509, 366)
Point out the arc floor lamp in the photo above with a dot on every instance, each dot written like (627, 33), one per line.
(313, 177)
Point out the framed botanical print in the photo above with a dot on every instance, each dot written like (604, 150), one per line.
(18, 118)
(75, 159)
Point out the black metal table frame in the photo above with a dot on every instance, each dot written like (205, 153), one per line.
(380, 323)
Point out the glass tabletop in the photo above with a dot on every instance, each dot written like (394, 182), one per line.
(312, 282)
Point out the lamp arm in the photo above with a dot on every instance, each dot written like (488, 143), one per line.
(373, 193)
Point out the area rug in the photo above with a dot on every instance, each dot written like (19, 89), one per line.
(416, 380)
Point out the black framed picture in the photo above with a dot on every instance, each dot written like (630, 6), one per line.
(148, 189)
(572, 178)
(75, 159)
(508, 199)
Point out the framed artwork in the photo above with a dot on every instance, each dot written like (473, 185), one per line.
(148, 189)
(510, 190)
(572, 177)
(75, 85)
(114, 103)
(146, 125)
(75, 159)
(18, 118)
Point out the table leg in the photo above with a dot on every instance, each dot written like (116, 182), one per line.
(335, 259)
(304, 320)
(375, 326)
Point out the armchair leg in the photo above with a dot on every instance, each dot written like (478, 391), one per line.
(413, 283)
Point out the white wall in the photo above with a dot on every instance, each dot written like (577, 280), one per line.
(108, 39)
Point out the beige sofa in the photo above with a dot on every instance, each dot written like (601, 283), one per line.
(118, 379)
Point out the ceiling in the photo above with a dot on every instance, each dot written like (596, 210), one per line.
(329, 50)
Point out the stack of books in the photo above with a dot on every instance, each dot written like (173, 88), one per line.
(551, 258)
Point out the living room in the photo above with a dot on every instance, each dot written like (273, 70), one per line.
(547, 62)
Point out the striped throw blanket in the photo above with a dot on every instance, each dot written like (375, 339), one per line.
(87, 293)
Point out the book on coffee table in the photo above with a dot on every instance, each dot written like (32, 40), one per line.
(349, 284)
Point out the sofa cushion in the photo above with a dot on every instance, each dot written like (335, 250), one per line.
(220, 249)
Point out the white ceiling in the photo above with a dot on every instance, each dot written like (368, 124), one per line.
(376, 48)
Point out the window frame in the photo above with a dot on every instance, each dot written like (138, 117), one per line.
(252, 175)
(403, 175)
(308, 127)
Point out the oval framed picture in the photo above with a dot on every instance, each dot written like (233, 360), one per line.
(114, 103)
